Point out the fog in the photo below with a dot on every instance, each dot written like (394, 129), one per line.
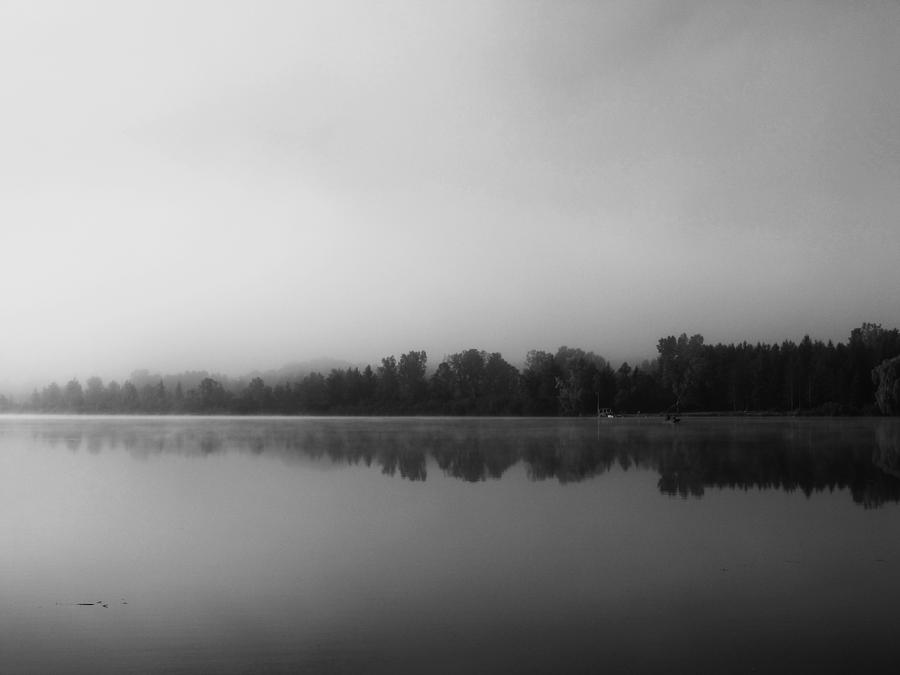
(236, 185)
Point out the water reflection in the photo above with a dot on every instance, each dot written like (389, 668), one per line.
(861, 456)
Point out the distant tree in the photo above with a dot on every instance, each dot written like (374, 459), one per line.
(647, 393)
(501, 387)
(312, 394)
(442, 387)
(129, 398)
(575, 383)
(683, 368)
(601, 386)
(256, 397)
(368, 387)
(212, 396)
(411, 382)
(95, 399)
(869, 346)
(388, 387)
(468, 368)
(153, 398)
(52, 398)
(539, 384)
(337, 390)
(178, 404)
(114, 397)
(163, 402)
(886, 377)
(285, 399)
(73, 396)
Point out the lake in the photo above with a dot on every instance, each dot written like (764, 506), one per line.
(386, 545)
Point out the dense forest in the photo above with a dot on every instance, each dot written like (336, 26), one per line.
(812, 377)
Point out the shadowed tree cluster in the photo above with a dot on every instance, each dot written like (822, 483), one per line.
(859, 377)
(811, 376)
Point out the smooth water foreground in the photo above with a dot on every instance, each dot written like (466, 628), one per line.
(448, 545)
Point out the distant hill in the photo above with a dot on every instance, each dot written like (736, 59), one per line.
(290, 372)
(190, 379)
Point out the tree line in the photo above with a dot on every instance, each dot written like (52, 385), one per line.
(859, 377)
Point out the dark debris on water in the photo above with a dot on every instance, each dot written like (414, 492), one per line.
(100, 603)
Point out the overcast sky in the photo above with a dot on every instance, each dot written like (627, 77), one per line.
(236, 185)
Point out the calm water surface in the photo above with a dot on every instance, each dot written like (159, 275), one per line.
(228, 545)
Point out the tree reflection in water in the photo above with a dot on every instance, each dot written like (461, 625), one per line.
(861, 456)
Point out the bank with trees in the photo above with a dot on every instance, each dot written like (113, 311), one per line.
(861, 376)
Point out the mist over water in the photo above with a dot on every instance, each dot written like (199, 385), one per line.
(402, 545)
